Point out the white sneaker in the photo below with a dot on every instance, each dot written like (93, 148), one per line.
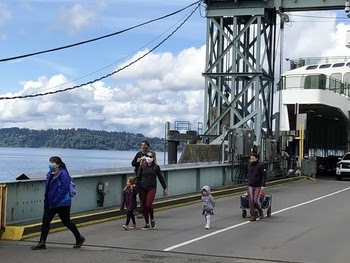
(206, 226)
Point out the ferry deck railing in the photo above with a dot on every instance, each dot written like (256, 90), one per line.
(314, 81)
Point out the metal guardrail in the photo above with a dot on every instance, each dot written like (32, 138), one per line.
(3, 205)
(25, 198)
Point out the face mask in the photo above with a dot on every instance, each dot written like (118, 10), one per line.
(149, 159)
(51, 166)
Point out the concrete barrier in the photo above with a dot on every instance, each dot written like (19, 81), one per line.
(26, 198)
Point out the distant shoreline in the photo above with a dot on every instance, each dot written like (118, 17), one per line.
(77, 139)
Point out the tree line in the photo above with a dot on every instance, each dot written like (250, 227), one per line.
(76, 139)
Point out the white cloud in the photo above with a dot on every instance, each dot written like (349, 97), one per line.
(312, 37)
(164, 87)
(80, 15)
(315, 37)
(160, 70)
(338, 41)
(5, 14)
(64, 118)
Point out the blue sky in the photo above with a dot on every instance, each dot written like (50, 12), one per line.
(165, 86)
(38, 25)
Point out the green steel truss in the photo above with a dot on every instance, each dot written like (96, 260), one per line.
(240, 62)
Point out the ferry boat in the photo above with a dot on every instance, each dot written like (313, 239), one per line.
(315, 98)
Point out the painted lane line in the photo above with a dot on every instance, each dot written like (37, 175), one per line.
(205, 236)
(247, 222)
(311, 201)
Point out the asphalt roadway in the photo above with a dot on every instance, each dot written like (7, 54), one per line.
(309, 223)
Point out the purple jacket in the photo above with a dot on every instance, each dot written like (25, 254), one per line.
(57, 193)
(129, 199)
(256, 174)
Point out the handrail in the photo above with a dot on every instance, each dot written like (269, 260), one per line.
(314, 81)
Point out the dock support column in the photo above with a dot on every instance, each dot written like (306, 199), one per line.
(172, 152)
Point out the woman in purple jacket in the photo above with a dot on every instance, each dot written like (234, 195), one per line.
(57, 201)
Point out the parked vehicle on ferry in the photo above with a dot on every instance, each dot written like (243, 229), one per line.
(343, 167)
(326, 166)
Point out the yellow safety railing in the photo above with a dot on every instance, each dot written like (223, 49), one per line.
(3, 204)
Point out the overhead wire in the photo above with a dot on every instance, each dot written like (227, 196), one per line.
(119, 60)
(110, 74)
(101, 37)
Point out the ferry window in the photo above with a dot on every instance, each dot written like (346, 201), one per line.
(335, 83)
(347, 84)
(347, 90)
(337, 76)
(325, 66)
(280, 84)
(312, 67)
(292, 82)
(315, 82)
(348, 64)
(338, 65)
(347, 77)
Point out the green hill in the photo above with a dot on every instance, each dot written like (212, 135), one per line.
(75, 139)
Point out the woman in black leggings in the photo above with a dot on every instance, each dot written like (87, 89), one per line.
(146, 181)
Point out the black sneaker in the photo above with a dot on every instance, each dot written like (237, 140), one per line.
(146, 227)
(39, 246)
(153, 224)
(79, 243)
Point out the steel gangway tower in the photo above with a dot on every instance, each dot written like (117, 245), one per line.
(240, 62)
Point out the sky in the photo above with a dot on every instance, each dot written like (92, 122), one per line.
(166, 85)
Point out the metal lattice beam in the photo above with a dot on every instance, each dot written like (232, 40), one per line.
(245, 7)
(239, 73)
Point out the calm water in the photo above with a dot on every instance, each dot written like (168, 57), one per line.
(35, 161)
